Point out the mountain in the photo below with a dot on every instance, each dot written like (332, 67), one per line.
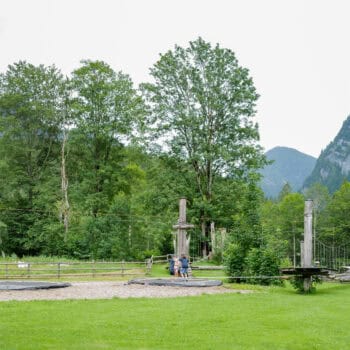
(333, 165)
(289, 166)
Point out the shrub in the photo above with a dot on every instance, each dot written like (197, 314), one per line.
(234, 261)
(262, 262)
(257, 264)
(298, 283)
(269, 266)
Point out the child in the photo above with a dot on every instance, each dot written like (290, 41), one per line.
(176, 266)
(184, 266)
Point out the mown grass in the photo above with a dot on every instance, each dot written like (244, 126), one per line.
(269, 318)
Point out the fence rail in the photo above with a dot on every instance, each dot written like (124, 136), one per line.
(14, 270)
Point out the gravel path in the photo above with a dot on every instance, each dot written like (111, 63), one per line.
(108, 290)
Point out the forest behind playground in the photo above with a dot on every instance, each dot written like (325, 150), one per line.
(92, 167)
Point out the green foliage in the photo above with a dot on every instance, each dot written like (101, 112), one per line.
(247, 229)
(106, 105)
(286, 189)
(258, 265)
(30, 102)
(234, 260)
(319, 195)
(264, 263)
(335, 226)
(291, 219)
(205, 100)
(202, 105)
(76, 180)
(298, 284)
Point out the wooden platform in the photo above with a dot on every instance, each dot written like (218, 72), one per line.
(30, 285)
(176, 282)
(304, 271)
(207, 268)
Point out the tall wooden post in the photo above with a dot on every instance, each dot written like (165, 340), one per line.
(307, 246)
(213, 238)
(308, 233)
(182, 241)
(181, 235)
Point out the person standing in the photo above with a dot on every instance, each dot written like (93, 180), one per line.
(184, 266)
(171, 265)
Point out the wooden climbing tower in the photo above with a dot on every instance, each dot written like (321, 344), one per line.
(182, 241)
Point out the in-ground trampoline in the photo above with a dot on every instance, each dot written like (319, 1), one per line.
(176, 282)
(30, 285)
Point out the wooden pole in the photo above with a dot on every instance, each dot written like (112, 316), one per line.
(308, 234)
(302, 253)
(181, 236)
(307, 246)
(213, 238)
(294, 253)
(182, 242)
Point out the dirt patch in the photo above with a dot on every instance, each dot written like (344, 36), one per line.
(108, 290)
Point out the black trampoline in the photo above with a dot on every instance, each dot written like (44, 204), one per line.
(30, 285)
(176, 282)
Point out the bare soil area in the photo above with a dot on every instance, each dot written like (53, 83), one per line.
(108, 290)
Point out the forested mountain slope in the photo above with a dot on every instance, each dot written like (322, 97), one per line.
(333, 165)
(289, 165)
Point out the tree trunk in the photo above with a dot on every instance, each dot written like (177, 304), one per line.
(204, 239)
(64, 187)
(212, 237)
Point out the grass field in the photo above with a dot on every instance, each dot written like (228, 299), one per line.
(269, 318)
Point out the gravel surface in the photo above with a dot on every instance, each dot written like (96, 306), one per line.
(108, 290)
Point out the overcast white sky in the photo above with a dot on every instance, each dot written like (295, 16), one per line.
(297, 51)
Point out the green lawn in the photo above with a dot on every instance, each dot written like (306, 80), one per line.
(270, 318)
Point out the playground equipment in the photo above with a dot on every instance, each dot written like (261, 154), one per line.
(30, 285)
(182, 240)
(306, 271)
(176, 282)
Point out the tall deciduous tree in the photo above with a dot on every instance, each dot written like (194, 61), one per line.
(285, 190)
(291, 220)
(29, 125)
(107, 108)
(202, 104)
(335, 223)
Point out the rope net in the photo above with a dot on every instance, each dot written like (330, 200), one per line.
(331, 256)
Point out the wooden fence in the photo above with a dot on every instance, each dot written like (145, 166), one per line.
(28, 270)
(161, 259)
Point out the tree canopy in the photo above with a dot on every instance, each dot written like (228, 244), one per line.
(202, 102)
(92, 167)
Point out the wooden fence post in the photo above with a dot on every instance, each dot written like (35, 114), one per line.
(149, 263)
(93, 268)
(123, 262)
